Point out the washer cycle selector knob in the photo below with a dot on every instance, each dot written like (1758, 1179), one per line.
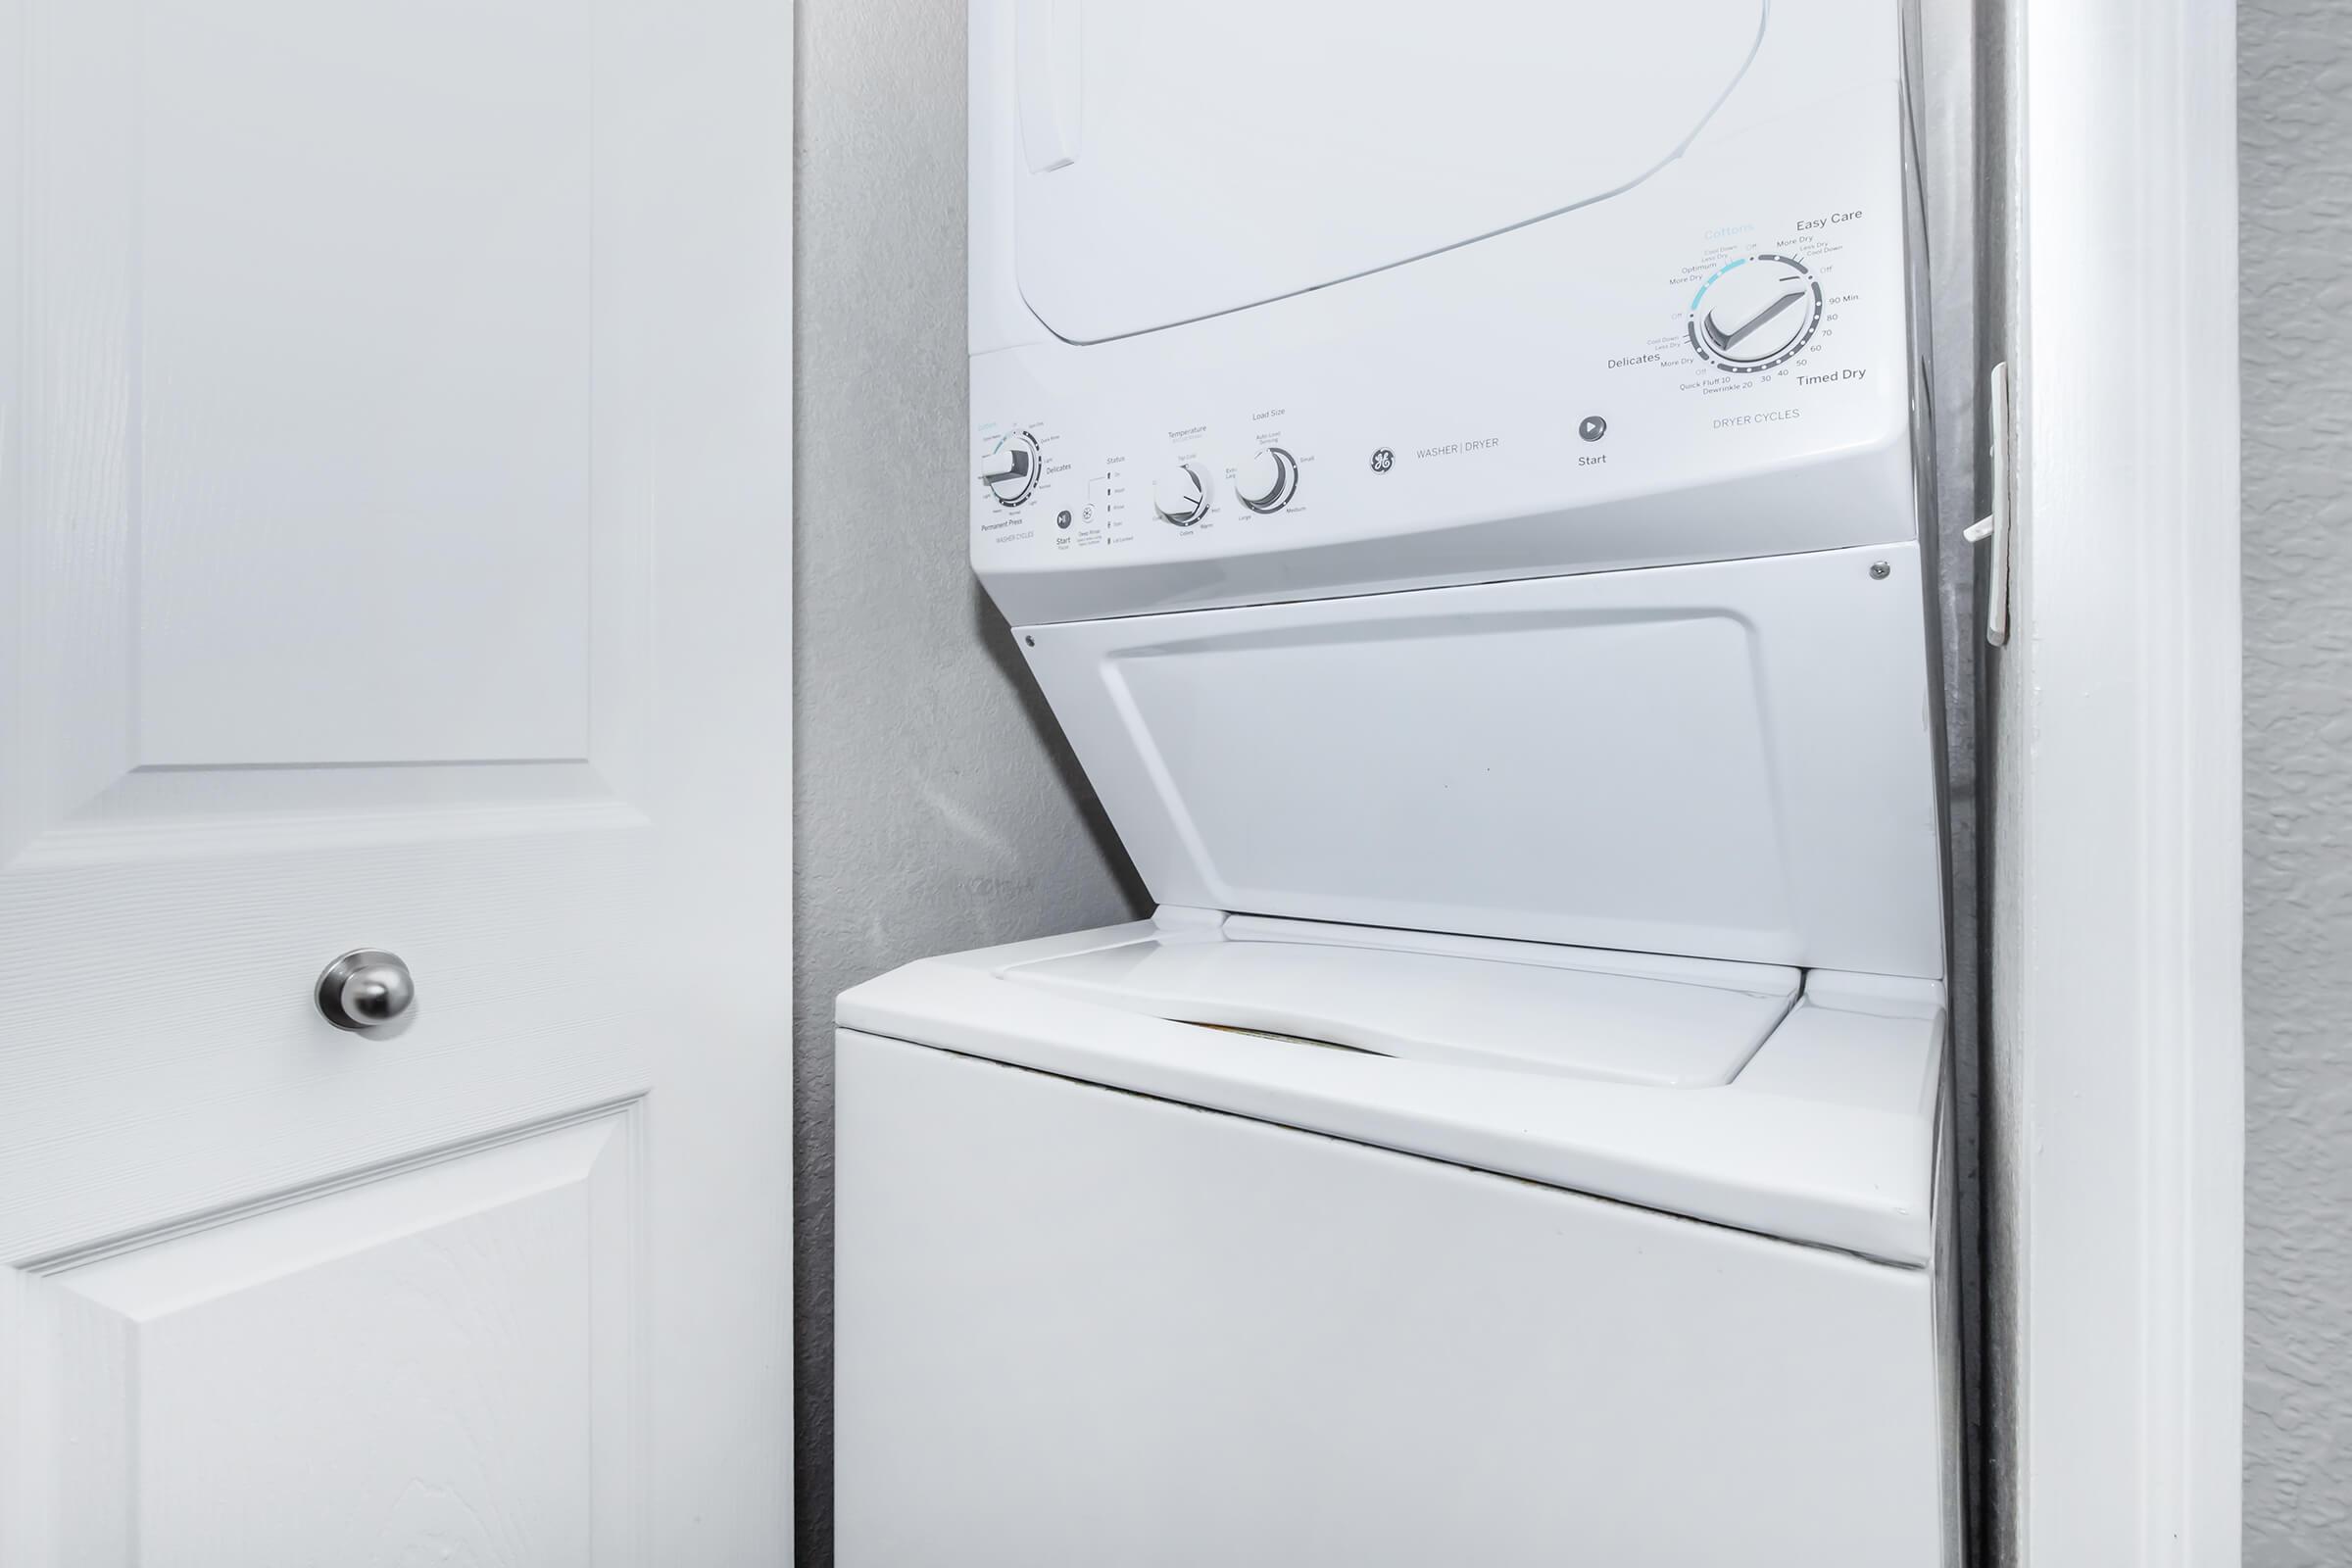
(1180, 495)
(1011, 469)
(1266, 479)
(1756, 312)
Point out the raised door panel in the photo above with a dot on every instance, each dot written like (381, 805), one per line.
(443, 1355)
(328, 435)
(405, 189)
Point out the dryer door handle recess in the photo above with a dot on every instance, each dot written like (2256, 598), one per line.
(1051, 66)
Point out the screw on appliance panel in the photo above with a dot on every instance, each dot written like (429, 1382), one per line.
(1031, 641)
(1879, 568)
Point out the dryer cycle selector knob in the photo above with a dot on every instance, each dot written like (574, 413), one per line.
(1756, 312)
(1010, 470)
(1266, 479)
(1181, 495)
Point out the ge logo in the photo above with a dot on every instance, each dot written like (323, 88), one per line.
(1383, 460)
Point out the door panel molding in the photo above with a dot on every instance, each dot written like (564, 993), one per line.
(113, 829)
(549, 1156)
(199, 1381)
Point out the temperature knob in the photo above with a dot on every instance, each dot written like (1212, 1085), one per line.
(1010, 470)
(1180, 495)
(1756, 312)
(1266, 479)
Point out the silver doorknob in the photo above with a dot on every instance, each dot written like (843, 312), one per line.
(366, 988)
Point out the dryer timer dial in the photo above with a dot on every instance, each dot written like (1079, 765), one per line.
(1756, 312)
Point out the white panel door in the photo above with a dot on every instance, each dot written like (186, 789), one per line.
(394, 552)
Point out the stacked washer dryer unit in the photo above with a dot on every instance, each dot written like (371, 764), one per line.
(1454, 477)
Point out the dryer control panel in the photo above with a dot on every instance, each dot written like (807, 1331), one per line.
(1713, 364)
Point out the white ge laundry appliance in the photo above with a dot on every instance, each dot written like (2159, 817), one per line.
(1455, 473)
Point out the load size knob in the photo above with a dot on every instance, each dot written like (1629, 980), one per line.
(1181, 495)
(1010, 470)
(1266, 479)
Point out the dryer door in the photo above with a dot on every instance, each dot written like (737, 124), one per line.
(1222, 153)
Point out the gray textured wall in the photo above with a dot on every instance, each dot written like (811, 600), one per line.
(2295, 255)
(936, 809)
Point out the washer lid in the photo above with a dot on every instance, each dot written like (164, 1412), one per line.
(1183, 160)
(1515, 1006)
(1730, 761)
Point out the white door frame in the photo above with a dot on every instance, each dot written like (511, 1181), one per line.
(2117, 1126)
